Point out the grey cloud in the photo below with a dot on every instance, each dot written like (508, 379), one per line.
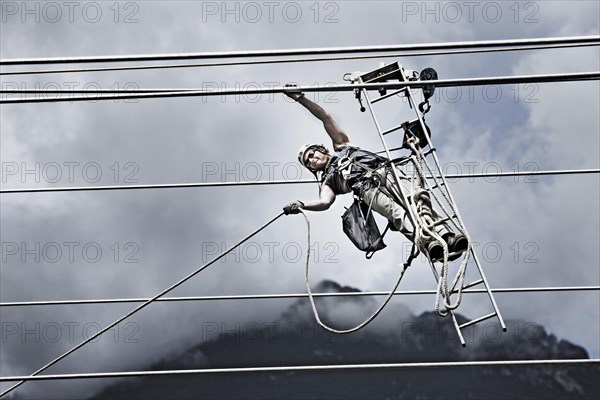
(188, 140)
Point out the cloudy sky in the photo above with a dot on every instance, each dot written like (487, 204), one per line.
(530, 232)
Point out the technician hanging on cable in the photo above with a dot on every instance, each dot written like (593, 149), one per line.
(371, 179)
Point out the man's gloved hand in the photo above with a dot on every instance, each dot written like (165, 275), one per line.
(295, 94)
(293, 207)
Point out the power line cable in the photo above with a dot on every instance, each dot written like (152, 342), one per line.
(167, 94)
(280, 182)
(293, 60)
(293, 296)
(183, 92)
(146, 303)
(306, 51)
(564, 77)
(334, 367)
(154, 94)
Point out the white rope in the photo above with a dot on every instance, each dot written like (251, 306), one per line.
(443, 290)
(426, 229)
(311, 297)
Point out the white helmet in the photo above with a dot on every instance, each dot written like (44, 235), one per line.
(302, 151)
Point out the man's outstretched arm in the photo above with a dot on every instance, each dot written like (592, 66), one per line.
(335, 132)
(326, 199)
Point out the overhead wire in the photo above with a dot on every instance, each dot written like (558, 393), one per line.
(305, 51)
(292, 296)
(143, 305)
(193, 92)
(183, 92)
(542, 78)
(332, 367)
(281, 182)
(294, 60)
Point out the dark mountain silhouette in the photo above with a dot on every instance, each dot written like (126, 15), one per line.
(296, 340)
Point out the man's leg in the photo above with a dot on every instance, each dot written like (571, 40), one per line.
(440, 229)
(393, 205)
(457, 244)
(386, 206)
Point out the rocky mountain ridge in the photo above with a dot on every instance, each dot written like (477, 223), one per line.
(294, 339)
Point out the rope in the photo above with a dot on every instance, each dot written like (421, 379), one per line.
(312, 301)
(443, 290)
(148, 302)
(426, 229)
(293, 60)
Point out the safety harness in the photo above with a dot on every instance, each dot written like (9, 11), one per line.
(361, 169)
(364, 170)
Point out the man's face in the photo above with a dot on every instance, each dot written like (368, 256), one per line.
(316, 160)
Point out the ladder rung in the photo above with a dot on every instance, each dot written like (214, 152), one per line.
(428, 152)
(438, 185)
(402, 162)
(470, 285)
(441, 221)
(473, 322)
(391, 129)
(395, 92)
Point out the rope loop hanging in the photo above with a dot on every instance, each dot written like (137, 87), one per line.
(312, 300)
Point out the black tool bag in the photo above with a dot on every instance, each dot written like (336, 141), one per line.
(360, 226)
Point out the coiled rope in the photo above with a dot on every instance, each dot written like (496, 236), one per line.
(426, 228)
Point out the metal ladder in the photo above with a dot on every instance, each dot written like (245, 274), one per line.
(392, 72)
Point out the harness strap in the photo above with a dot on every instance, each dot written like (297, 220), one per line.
(369, 254)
